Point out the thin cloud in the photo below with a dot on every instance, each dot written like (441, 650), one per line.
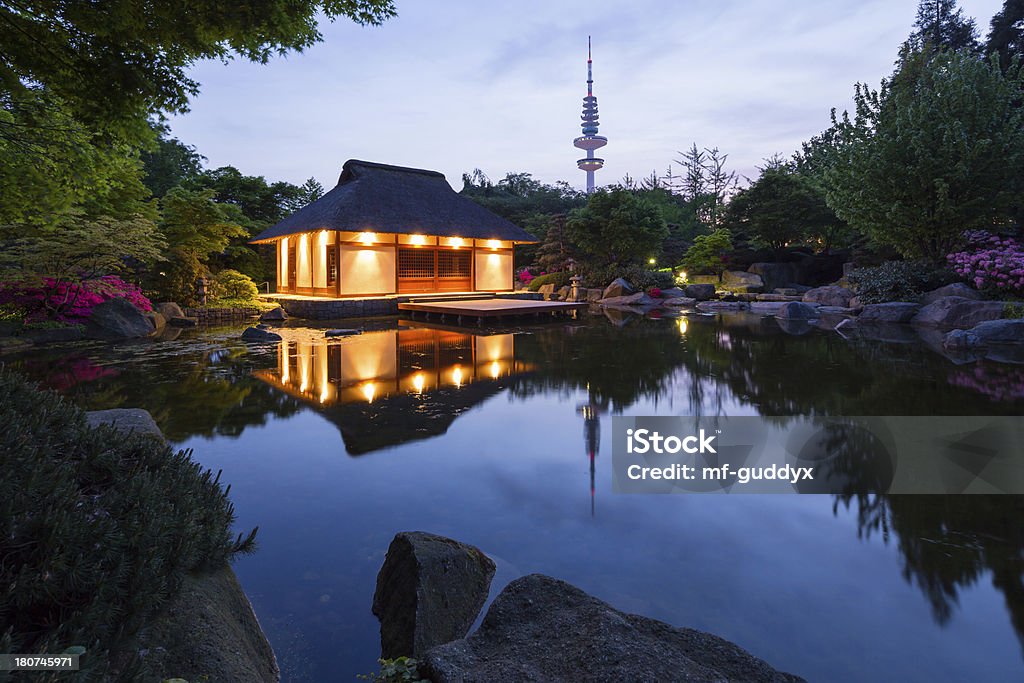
(454, 86)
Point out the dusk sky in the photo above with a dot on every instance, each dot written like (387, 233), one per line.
(456, 85)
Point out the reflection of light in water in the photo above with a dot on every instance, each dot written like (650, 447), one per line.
(682, 326)
(457, 376)
(305, 353)
(417, 382)
(369, 391)
(325, 392)
(495, 369)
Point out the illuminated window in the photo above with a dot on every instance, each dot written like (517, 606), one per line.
(454, 264)
(415, 263)
(332, 266)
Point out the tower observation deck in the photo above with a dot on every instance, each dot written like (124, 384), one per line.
(590, 140)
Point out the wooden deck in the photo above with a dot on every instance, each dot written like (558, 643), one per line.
(489, 308)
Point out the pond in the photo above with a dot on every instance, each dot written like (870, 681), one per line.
(499, 438)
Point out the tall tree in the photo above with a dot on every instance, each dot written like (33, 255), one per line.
(169, 162)
(720, 183)
(779, 209)
(941, 24)
(693, 183)
(951, 130)
(196, 229)
(555, 250)
(1006, 33)
(616, 227)
(114, 63)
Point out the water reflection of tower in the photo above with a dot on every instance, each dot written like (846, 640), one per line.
(591, 439)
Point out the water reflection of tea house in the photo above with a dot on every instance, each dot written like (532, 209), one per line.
(406, 383)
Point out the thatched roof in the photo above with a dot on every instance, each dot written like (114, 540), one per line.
(394, 199)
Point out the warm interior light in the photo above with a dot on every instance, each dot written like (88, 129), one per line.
(456, 242)
(457, 376)
(417, 382)
(682, 325)
(493, 244)
(369, 391)
(325, 392)
(495, 369)
(367, 237)
(418, 240)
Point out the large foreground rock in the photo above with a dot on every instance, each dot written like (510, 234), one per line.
(831, 295)
(618, 287)
(116, 319)
(429, 591)
(638, 299)
(1000, 332)
(274, 315)
(543, 629)
(956, 289)
(795, 310)
(169, 309)
(209, 632)
(958, 312)
(700, 292)
(258, 336)
(892, 312)
(775, 275)
(740, 279)
(135, 420)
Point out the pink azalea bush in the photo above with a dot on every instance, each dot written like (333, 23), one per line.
(525, 276)
(70, 302)
(654, 292)
(991, 262)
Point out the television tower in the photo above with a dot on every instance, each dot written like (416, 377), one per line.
(590, 140)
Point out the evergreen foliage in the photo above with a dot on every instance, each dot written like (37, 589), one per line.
(707, 255)
(898, 281)
(97, 528)
(950, 128)
(1006, 33)
(616, 228)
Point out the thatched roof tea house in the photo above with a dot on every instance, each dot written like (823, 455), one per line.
(390, 229)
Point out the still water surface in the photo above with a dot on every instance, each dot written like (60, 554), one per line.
(496, 439)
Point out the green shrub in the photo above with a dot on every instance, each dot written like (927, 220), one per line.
(232, 286)
(97, 528)
(898, 281)
(557, 279)
(1013, 311)
(399, 670)
(639, 277)
(708, 252)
